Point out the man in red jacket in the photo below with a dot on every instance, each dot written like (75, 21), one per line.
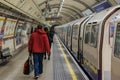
(38, 45)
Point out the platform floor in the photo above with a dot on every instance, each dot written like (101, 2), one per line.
(59, 67)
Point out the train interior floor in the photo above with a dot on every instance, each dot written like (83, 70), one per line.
(59, 67)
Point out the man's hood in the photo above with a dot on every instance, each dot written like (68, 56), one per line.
(40, 31)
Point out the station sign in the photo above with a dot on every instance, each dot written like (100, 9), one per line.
(101, 6)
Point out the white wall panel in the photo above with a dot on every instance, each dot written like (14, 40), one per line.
(9, 43)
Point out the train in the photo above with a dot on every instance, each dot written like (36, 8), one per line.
(94, 41)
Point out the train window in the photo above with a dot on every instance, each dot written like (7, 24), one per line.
(111, 29)
(117, 42)
(87, 34)
(69, 29)
(94, 35)
(111, 34)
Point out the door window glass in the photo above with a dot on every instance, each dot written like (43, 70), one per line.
(91, 35)
(94, 36)
(87, 34)
(117, 42)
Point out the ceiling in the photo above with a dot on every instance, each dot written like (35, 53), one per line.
(60, 11)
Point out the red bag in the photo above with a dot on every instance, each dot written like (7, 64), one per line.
(28, 66)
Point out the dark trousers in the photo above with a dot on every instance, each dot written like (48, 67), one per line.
(38, 63)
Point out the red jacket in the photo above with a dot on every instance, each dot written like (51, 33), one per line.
(38, 42)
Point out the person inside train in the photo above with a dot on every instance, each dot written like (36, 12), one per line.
(38, 45)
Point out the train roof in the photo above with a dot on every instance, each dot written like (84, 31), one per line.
(70, 23)
(80, 20)
(98, 17)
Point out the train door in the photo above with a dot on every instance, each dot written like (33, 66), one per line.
(69, 37)
(80, 40)
(65, 34)
(90, 50)
(75, 33)
(115, 65)
(80, 44)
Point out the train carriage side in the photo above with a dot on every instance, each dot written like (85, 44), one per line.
(62, 32)
(69, 36)
(58, 30)
(65, 28)
(97, 61)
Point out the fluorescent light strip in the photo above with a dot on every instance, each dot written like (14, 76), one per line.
(61, 5)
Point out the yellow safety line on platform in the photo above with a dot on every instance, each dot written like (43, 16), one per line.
(68, 63)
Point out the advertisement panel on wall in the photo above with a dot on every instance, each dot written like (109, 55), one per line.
(25, 33)
(2, 19)
(9, 27)
(19, 32)
(101, 6)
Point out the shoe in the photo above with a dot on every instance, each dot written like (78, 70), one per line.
(36, 77)
(49, 58)
(44, 57)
